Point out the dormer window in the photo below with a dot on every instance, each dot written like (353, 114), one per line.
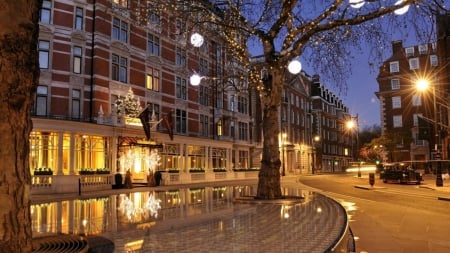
(409, 51)
(423, 49)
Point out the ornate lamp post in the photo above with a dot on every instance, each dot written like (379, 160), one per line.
(353, 125)
(423, 85)
(283, 142)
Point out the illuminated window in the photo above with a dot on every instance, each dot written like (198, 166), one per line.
(90, 152)
(122, 3)
(152, 81)
(44, 150)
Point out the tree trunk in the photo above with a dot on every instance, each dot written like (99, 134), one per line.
(19, 73)
(269, 186)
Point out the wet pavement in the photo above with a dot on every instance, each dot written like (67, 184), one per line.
(303, 222)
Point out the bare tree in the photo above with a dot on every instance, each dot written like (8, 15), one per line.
(19, 73)
(324, 31)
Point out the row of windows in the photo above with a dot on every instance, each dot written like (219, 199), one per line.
(397, 120)
(414, 64)
(397, 101)
(42, 100)
(295, 99)
(45, 16)
(120, 31)
(295, 116)
(423, 49)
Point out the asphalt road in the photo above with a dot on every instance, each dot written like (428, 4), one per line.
(389, 217)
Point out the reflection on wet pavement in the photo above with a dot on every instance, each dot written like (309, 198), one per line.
(204, 219)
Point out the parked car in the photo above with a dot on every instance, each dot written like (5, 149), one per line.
(400, 173)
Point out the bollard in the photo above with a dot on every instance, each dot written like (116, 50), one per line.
(371, 179)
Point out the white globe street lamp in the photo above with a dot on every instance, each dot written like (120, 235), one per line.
(195, 79)
(295, 67)
(197, 40)
(356, 3)
(402, 10)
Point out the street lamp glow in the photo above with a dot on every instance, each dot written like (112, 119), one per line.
(350, 124)
(316, 138)
(422, 84)
(195, 79)
(295, 66)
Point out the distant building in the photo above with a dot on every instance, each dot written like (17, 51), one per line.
(417, 125)
(335, 145)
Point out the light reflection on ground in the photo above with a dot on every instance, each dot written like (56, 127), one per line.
(203, 219)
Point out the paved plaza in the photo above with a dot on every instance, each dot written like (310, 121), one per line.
(303, 222)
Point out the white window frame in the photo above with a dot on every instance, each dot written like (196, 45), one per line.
(119, 68)
(76, 103)
(41, 106)
(423, 49)
(409, 51)
(397, 121)
(77, 59)
(395, 84)
(45, 16)
(152, 81)
(181, 58)
(78, 22)
(434, 60)
(414, 63)
(153, 45)
(44, 54)
(396, 102)
(120, 30)
(394, 67)
(416, 100)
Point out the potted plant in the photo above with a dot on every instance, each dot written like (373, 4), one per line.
(43, 171)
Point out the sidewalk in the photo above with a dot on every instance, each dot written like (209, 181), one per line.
(429, 182)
